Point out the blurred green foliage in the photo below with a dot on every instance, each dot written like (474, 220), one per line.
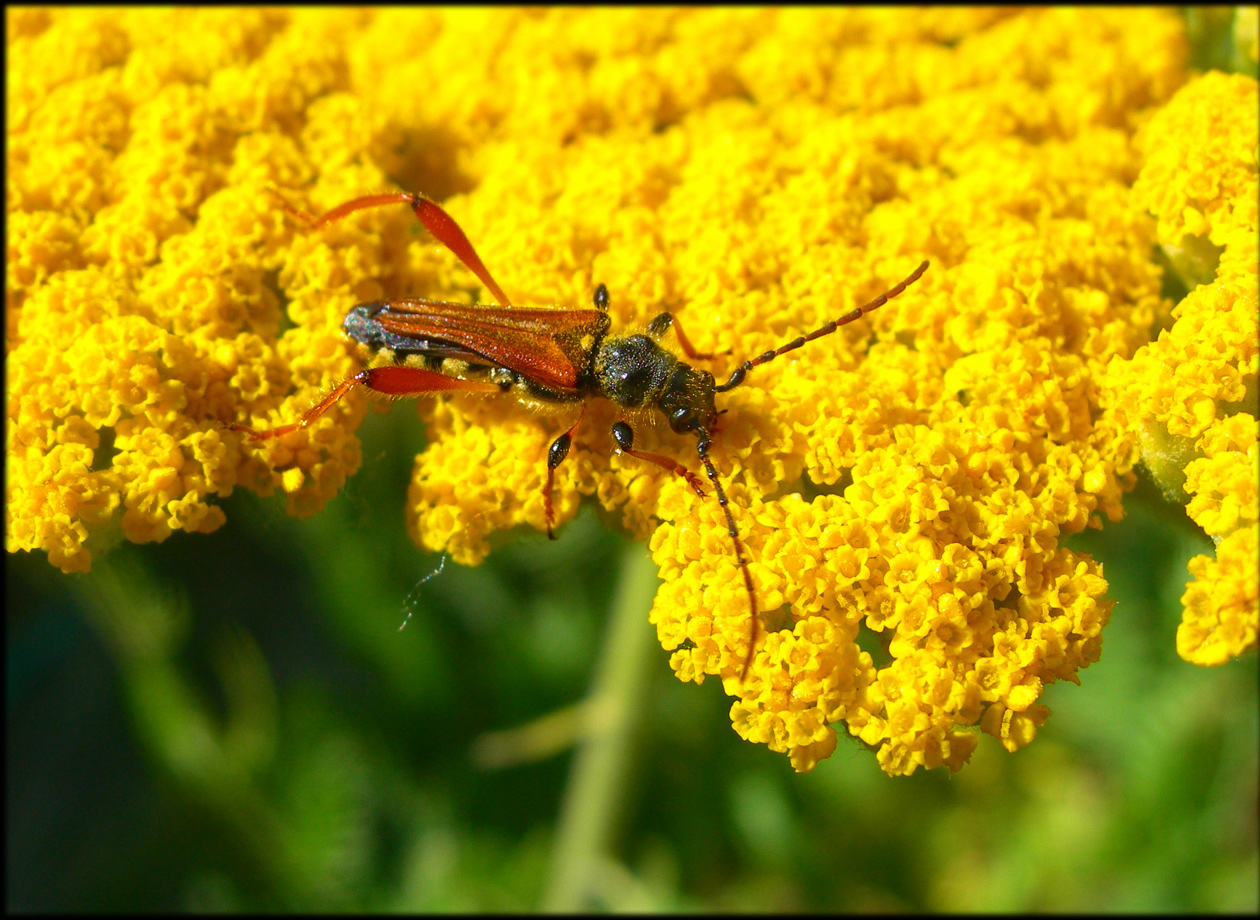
(236, 722)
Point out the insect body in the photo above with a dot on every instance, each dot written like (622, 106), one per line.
(545, 356)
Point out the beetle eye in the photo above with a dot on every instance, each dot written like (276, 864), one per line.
(682, 418)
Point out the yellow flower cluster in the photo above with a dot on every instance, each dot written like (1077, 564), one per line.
(1192, 395)
(902, 487)
(139, 308)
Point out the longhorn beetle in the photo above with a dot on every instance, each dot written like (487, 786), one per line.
(543, 356)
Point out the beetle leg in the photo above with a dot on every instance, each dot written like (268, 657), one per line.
(429, 213)
(393, 381)
(662, 324)
(623, 434)
(555, 456)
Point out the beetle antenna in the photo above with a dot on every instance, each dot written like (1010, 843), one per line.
(703, 449)
(738, 376)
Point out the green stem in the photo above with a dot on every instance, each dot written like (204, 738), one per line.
(597, 785)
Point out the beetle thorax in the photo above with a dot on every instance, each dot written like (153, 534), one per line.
(635, 372)
(632, 370)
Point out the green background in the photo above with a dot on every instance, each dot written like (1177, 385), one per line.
(235, 722)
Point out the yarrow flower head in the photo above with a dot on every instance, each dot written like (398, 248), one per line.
(1191, 396)
(902, 487)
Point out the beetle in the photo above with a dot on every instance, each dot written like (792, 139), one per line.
(544, 356)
